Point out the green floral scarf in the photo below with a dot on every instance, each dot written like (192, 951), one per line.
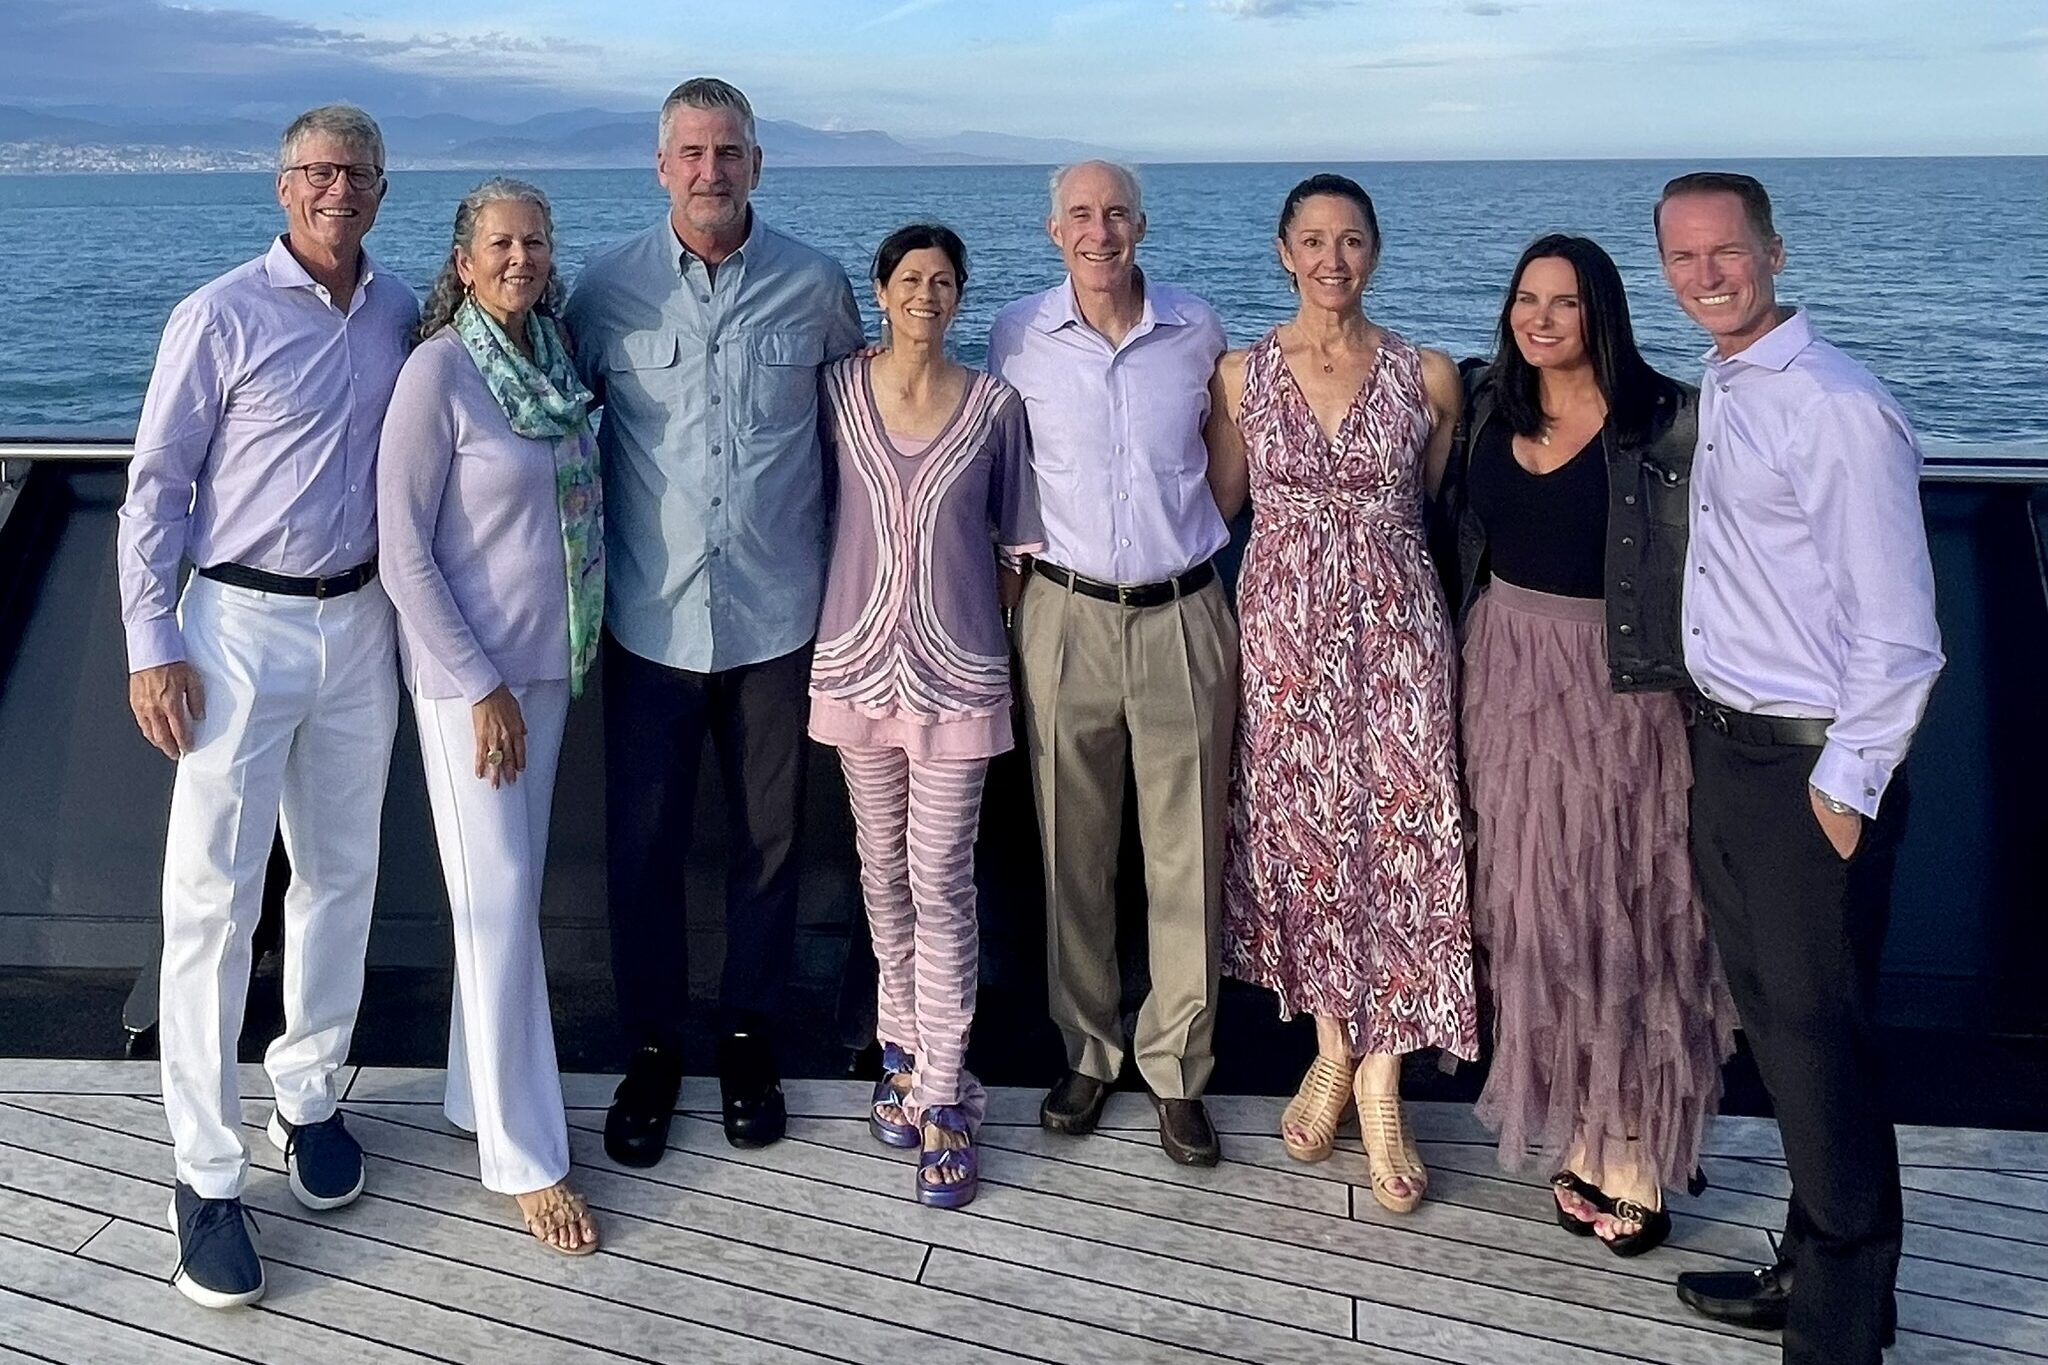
(543, 399)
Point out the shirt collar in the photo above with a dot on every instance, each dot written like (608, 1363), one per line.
(1062, 309)
(283, 271)
(751, 248)
(1774, 350)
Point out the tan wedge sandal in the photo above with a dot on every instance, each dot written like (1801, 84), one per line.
(1390, 1151)
(1317, 1108)
(560, 1207)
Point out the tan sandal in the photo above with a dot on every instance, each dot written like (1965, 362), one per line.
(560, 1207)
(1317, 1108)
(1390, 1151)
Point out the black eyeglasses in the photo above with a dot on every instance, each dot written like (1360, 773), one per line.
(321, 174)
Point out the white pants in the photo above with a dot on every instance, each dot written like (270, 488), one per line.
(301, 700)
(503, 1084)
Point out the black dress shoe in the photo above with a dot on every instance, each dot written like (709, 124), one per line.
(751, 1089)
(636, 1127)
(1186, 1133)
(1756, 1298)
(1074, 1106)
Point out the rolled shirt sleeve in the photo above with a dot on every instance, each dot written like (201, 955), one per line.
(1857, 478)
(181, 415)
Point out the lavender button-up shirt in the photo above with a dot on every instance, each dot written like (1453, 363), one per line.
(258, 439)
(1116, 431)
(1808, 590)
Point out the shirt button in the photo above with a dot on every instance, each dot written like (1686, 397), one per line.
(1123, 497)
(1710, 445)
(1628, 678)
(1703, 568)
(714, 552)
(1627, 586)
(716, 447)
(715, 502)
(1870, 791)
(1703, 506)
(351, 488)
(1629, 498)
(1628, 540)
(1125, 542)
(1695, 630)
(714, 351)
(706, 298)
(716, 400)
(1626, 629)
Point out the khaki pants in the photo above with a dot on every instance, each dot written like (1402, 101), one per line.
(1158, 685)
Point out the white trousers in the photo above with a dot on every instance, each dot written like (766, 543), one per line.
(301, 700)
(503, 1084)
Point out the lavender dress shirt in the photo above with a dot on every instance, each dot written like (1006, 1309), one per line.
(1116, 431)
(1808, 590)
(258, 439)
(473, 555)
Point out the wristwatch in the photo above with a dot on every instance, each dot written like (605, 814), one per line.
(1838, 807)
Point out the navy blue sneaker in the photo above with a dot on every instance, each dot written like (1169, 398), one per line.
(217, 1263)
(324, 1163)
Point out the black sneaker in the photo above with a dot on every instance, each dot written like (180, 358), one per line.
(217, 1263)
(324, 1163)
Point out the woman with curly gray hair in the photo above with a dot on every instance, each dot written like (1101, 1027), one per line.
(491, 529)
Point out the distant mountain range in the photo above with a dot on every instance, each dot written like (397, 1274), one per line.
(111, 139)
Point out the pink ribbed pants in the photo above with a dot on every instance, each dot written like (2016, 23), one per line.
(914, 824)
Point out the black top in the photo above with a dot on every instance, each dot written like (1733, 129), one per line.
(1544, 532)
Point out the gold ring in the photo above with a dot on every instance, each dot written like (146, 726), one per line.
(495, 756)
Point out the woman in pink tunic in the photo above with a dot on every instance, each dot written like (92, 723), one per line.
(1344, 872)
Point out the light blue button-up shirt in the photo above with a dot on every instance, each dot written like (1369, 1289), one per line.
(1116, 431)
(714, 478)
(258, 439)
(1808, 589)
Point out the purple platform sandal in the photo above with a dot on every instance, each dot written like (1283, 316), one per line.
(964, 1160)
(893, 1133)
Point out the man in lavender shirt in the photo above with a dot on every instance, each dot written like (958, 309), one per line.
(1128, 649)
(1810, 632)
(271, 682)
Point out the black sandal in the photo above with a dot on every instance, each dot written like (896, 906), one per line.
(1652, 1227)
(1572, 1185)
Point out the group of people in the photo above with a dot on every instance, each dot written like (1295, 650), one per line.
(1549, 679)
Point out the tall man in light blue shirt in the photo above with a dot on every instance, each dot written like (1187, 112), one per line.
(703, 337)
(271, 679)
(1810, 632)
(1128, 650)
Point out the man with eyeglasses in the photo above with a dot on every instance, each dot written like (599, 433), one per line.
(271, 680)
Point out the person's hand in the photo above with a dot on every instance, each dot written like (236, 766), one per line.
(167, 700)
(1844, 830)
(500, 737)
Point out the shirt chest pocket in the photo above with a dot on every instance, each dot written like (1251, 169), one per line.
(781, 380)
(639, 368)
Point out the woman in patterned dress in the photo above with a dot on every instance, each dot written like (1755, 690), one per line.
(911, 677)
(1344, 873)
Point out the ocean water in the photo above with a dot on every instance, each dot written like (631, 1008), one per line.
(1934, 272)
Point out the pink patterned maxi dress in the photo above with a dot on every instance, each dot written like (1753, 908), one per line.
(1344, 871)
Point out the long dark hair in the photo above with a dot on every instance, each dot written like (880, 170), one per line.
(1626, 380)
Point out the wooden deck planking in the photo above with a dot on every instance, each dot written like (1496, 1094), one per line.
(1079, 1251)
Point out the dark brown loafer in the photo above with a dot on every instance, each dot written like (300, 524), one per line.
(1186, 1133)
(1074, 1106)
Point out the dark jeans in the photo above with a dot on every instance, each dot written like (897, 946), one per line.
(656, 718)
(1800, 931)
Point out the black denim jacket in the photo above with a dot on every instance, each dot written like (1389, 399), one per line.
(1648, 485)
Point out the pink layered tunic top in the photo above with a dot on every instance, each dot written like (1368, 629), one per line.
(911, 650)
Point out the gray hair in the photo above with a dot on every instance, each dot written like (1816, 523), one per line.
(1129, 177)
(344, 122)
(447, 293)
(705, 92)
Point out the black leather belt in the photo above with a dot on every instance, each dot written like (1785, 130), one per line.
(1131, 594)
(262, 580)
(1744, 728)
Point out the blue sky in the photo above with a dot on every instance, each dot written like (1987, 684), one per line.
(1224, 79)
